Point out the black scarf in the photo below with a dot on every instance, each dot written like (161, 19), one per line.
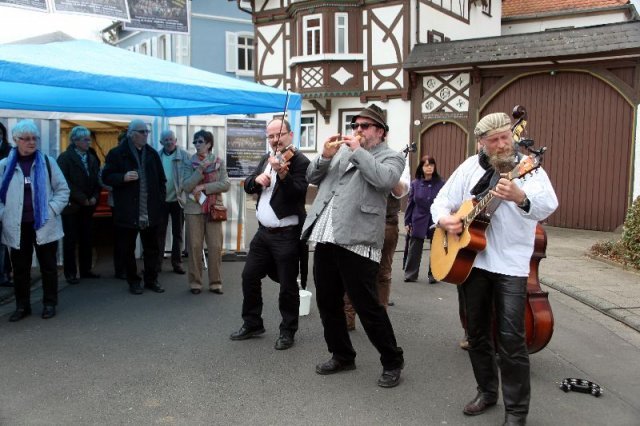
(488, 180)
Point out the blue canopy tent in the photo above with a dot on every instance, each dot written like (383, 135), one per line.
(87, 77)
(90, 77)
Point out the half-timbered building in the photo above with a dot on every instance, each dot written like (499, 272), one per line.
(436, 66)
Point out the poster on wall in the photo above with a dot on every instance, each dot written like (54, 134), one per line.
(115, 9)
(246, 144)
(39, 5)
(167, 16)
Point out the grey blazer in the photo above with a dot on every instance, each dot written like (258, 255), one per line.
(361, 192)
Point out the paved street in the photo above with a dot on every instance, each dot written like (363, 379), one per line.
(113, 358)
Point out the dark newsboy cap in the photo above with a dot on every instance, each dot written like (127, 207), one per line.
(375, 113)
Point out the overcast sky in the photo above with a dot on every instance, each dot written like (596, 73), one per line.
(16, 24)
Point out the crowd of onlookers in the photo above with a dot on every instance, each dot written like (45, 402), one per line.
(43, 200)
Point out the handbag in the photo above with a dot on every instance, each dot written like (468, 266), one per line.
(219, 212)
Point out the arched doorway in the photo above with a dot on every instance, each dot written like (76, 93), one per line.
(447, 143)
(587, 127)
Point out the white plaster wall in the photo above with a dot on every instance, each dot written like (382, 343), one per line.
(522, 27)
(273, 62)
(480, 25)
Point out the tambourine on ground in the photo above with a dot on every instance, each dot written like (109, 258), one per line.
(582, 386)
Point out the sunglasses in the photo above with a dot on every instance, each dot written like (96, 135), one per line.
(198, 142)
(363, 126)
(28, 138)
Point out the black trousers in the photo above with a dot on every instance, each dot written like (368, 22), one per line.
(127, 243)
(174, 210)
(335, 271)
(77, 233)
(269, 251)
(486, 292)
(21, 260)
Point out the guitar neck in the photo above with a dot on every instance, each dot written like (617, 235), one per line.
(477, 209)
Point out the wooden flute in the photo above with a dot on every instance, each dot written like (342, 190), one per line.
(340, 142)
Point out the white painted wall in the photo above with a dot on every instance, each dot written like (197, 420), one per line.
(636, 166)
(480, 25)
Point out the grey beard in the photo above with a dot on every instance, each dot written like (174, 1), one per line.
(502, 163)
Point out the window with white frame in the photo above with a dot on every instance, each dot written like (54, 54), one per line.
(457, 8)
(308, 132)
(162, 47)
(239, 53)
(312, 35)
(342, 39)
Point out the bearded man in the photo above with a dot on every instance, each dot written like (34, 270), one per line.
(498, 279)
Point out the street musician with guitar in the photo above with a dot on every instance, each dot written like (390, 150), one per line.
(515, 201)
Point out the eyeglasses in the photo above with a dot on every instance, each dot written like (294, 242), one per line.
(363, 126)
(277, 136)
(28, 139)
(198, 142)
(144, 132)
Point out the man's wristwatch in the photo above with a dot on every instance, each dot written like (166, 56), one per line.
(525, 204)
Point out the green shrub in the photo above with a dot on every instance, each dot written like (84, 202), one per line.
(626, 250)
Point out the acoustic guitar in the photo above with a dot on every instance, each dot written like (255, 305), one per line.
(452, 256)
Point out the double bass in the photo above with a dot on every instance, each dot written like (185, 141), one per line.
(538, 316)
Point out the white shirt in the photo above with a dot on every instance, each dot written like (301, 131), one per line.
(265, 214)
(511, 233)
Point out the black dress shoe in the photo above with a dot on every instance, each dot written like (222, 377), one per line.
(48, 311)
(512, 420)
(335, 366)
(135, 288)
(19, 314)
(73, 280)
(478, 405)
(155, 287)
(432, 279)
(89, 275)
(246, 333)
(389, 378)
(178, 270)
(216, 291)
(284, 342)
(195, 291)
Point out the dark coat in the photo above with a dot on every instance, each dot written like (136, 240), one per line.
(418, 213)
(289, 194)
(83, 186)
(126, 195)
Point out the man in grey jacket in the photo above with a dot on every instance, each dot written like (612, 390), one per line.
(347, 224)
(173, 160)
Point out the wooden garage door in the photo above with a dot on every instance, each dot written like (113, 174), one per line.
(447, 143)
(587, 127)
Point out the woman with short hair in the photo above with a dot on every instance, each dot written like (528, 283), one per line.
(205, 179)
(38, 192)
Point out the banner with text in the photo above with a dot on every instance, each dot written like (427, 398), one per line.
(116, 9)
(167, 16)
(39, 5)
(246, 144)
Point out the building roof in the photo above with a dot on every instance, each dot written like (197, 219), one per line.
(608, 40)
(527, 7)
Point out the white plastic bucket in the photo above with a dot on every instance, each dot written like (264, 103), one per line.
(305, 302)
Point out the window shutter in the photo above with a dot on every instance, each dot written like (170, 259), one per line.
(232, 51)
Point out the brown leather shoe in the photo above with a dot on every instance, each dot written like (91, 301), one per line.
(478, 405)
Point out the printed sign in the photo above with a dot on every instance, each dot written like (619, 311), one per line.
(116, 9)
(167, 16)
(246, 144)
(40, 5)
